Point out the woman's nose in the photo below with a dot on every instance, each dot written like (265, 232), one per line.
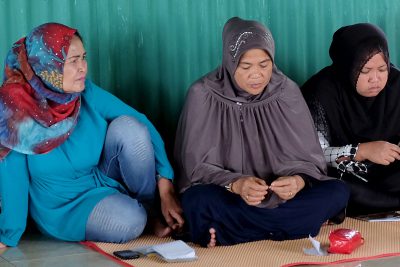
(374, 76)
(82, 66)
(256, 73)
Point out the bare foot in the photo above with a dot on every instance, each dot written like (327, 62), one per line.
(2, 245)
(160, 230)
(213, 239)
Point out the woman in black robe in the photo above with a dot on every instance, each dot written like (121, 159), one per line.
(355, 106)
(248, 159)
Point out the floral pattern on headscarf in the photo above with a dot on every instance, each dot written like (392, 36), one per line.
(35, 114)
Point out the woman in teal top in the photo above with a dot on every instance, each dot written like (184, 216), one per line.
(88, 160)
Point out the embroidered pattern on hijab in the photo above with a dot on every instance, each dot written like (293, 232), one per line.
(225, 133)
(242, 39)
(239, 36)
(35, 114)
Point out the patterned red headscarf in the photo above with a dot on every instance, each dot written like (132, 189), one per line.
(35, 113)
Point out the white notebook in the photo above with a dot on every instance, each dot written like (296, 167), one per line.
(391, 216)
(171, 251)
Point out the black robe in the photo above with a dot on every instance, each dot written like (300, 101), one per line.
(352, 118)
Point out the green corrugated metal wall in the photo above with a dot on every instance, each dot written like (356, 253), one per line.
(148, 52)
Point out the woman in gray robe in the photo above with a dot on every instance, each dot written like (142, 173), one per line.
(248, 159)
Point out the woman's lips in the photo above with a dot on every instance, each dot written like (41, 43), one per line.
(256, 85)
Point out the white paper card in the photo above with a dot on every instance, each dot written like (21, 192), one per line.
(316, 250)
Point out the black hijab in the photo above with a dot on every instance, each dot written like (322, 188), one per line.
(351, 117)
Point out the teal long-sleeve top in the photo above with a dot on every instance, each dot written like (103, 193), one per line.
(65, 184)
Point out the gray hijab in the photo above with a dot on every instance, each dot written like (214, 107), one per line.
(225, 133)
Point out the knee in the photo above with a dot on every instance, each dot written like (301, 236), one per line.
(131, 225)
(117, 218)
(127, 233)
(201, 196)
(127, 127)
(340, 191)
(336, 193)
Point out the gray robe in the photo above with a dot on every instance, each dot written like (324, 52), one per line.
(225, 133)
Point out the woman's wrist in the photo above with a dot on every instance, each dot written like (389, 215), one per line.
(236, 186)
(358, 155)
(299, 181)
(350, 153)
(230, 187)
(165, 186)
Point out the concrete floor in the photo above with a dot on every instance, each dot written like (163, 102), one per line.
(37, 250)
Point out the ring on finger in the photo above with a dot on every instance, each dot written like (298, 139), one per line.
(290, 193)
(247, 197)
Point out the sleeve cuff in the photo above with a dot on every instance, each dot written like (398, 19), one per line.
(308, 180)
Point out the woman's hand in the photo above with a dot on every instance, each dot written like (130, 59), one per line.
(286, 187)
(2, 245)
(379, 152)
(251, 189)
(170, 206)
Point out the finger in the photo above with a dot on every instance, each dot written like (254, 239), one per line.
(177, 216)
(254, 185)
(390, 159)
(282, 195)
(395, 148)
(254, 198)
(280, 183)
(169, 220)
(257, 194)
(279, 190)
(260, 181)
(257, 191)
(283, 190)
(395, 155)
(250, 200)
(287, 195)
(254, 203)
